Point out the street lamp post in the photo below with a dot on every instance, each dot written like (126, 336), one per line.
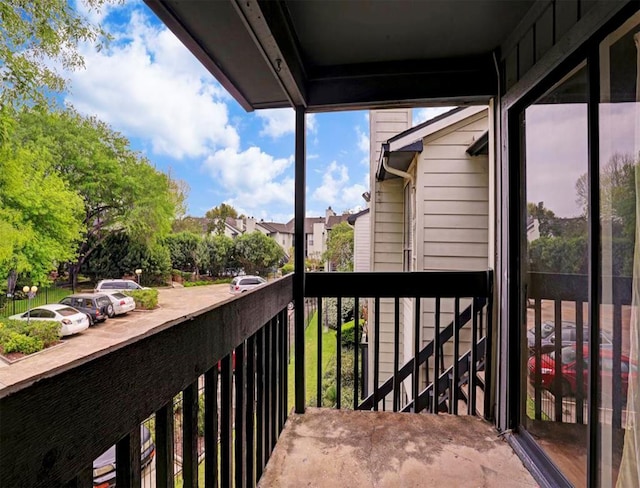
(138, 273)
(31, 292)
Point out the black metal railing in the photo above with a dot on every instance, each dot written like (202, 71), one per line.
(227, 364)
(558, 329)
(230, 358)
(434, 384)
(19, 301)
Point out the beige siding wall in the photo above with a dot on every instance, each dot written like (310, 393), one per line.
(453, 213)
(361, 243)
(453, 199)
(386, 228)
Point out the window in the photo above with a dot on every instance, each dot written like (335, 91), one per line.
(65, 312)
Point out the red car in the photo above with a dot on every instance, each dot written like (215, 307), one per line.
(566, 385)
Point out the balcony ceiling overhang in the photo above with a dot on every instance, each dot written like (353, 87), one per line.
(349, 54)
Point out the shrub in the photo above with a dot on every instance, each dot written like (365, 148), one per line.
(145, 299)
(28, 337)
(220, 281)
(16, 342)
(48, 332)
(287, 268)
(330, 311)
(348, 338)
(188, 284)
(329, 389)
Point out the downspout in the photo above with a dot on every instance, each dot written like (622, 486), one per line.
(407, 176)
(412, 182)
(397, 172)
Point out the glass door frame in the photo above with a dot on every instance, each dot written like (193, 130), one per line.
(522, 442)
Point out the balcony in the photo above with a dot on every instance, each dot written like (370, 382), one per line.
(227, 365)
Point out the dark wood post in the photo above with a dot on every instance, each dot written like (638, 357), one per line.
(299, 245)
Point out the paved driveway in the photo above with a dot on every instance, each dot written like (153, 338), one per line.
(173, 304)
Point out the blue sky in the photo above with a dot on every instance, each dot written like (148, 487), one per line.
(147, 86)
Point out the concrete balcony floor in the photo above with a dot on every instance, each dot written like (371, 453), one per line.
(332, 448)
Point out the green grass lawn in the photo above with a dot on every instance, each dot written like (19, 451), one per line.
(50, 295)
(329, 348)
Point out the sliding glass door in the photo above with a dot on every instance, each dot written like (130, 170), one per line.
(580, 395)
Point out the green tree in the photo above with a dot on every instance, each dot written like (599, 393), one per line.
(121, 191)
(218, 215)
(257, 253)
(188, 252)
(40, 215)
(219, 250)
(35, 37)
(188, 224)
(340, 247)
(118, 256)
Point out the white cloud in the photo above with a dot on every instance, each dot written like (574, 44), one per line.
(147, 85)
(363, 140)
(336, 191)
(421, 115)
(363, 146)
(278, 122)
(255, 178)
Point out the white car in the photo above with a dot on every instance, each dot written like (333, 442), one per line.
(121, 303)
(240, 284)
(109, 286)
(72, 320)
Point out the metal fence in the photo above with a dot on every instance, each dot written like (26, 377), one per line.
(19, 302)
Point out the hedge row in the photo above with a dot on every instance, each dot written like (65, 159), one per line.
(28, 337)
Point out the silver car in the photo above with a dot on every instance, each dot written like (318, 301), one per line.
(110, 286)
(240, 284)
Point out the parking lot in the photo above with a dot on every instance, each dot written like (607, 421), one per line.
(174, 303)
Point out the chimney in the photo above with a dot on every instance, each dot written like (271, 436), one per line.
(329, 213)
(251, 225)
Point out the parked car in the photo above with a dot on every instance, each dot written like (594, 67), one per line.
(568, 333)
(104, 467)
(117, 285)
(240, 284)
(72, 320)
(96, 305)
(121, 303)
(567, 383)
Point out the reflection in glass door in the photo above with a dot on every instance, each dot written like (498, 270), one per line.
(554, 402)
(619, 141)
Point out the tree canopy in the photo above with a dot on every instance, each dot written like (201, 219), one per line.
(257, 253)
(339, 251)
(562, 246)
(121, 192)
(218, 215)
(39, 213)
(35, 37)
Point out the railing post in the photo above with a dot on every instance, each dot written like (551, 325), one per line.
(211, 427)
(190, 435)
(299, 248)
(128, 460)
(239, 413)
(164, 446)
